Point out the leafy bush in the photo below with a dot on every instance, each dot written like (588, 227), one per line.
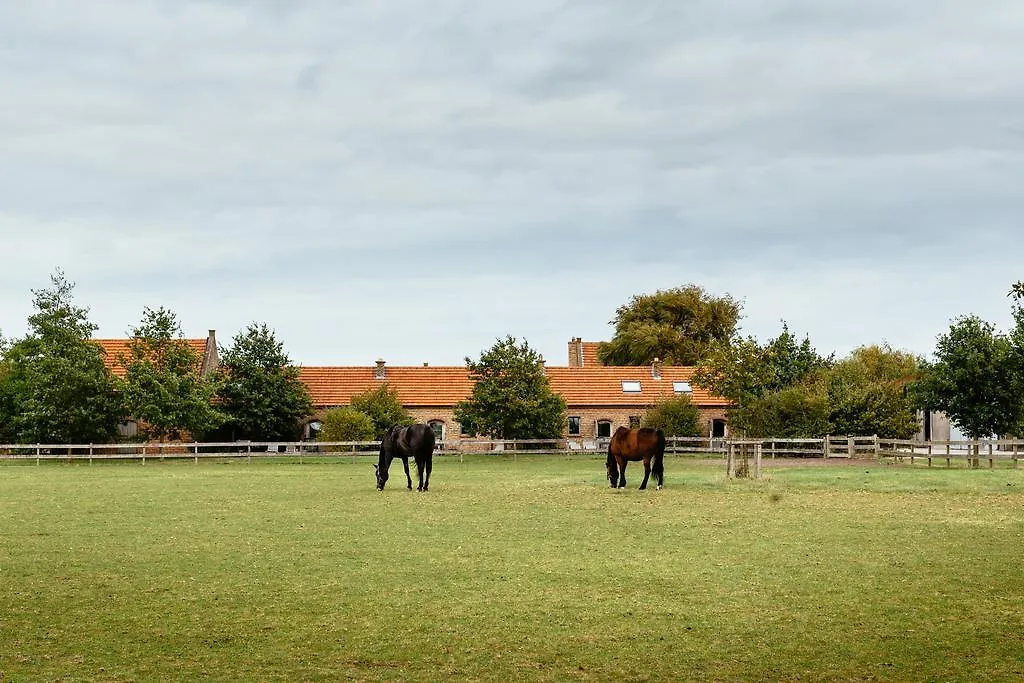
(346, 424)
(383, 407)
(676, 416)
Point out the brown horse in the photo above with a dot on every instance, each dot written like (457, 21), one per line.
(632, 445)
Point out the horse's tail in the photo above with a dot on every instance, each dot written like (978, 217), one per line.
(658, 461)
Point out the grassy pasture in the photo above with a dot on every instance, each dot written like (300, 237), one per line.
(527, 569)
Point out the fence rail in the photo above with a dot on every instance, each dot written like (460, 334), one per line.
(891, 450)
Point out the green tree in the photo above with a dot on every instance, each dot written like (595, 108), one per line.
(383, 407)
(346, 424)
(676, 416)
(750, 374)
(511, 398)
(742, 369)
(975, 378)
(678, 326)
(867, 393)
(54, 385)
(794, 412)
(260, 390)
(162, 386)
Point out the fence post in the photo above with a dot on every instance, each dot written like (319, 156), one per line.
(851, 449)
(757, 462)
(825, 445)
(878, 450)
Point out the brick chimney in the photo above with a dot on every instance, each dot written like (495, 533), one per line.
(380, 372)
(211, 361)
(576, 352)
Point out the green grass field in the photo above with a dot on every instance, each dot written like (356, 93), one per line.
(528, 569)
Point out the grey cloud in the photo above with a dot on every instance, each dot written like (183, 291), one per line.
(305, 147)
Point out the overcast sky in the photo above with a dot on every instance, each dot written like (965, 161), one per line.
(413, 179)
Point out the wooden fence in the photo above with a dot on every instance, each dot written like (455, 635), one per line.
(974, 453)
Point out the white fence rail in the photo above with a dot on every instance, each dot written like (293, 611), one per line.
(974, 453)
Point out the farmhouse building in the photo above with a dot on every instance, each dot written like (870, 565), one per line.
(599, 398)
(114, 350)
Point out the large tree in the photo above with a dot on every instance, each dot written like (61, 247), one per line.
(260, 390)
(511, 398)
(750, 374)
(867, 393)
(54, 385)
(678, 326)
(163, 386)
(798, 411)
(976, 378)
(742, 368)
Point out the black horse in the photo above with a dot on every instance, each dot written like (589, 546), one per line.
(633, 445)
(400, 442)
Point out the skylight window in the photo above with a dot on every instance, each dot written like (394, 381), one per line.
(631, 386)
(682, 387)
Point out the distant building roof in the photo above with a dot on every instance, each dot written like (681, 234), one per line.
(114, 349)
(440, 386)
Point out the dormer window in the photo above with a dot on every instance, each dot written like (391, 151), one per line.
(682, 388)
(630, 386)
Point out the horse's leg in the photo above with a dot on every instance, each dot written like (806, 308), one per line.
(419, 472)
(647, 473)
(622, 471)
(428, 464)
(405, 463)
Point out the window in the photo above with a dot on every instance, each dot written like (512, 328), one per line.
(604, 428)
(634, 421)
(574, 426)
(682, 387)
(438, 428)
(631, 386)
(313, 430)
(128, 428)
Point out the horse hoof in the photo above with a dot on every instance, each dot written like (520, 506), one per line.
(659, 488)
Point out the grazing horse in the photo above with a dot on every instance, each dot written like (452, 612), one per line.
(632, 445)
(400, 442)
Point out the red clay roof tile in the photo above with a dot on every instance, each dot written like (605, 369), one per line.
(113, 349)
(439, 386)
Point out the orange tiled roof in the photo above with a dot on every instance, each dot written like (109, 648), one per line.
(590, 355)
(602, 385)
(445, 386)
(416, 386)
(113, 349)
